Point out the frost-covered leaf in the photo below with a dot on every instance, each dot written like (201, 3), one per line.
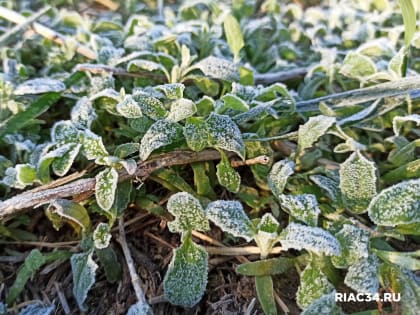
(180, 109)
(64, 132)
(150, 106)
(92, 145)
(147, 65)
(84, 270)
(398, 204)
(105, 186)
(354, 244)
(37, 309)
(109, 261)
(129, 108)
(362, 276)
(265, 293)
(278, 176)
(314, 128)
(140, 309)
(61, 210)
(225, 134)
(232, 104)
(399, 121)
(233, 35)
(303, 207)
(160, 134)
(357, 182)
(61, 165)
(230, 216)
(188, 212)
(328, 185)
(218, 68)
(313, 285)
(407, 260)
(186, 278)
(227, 176)
(267, 234)
(83, 114)
(266, 267)
(313, 239)
(25, 174)
(196, 133)
(39, 86)
(325, 305)
(410, 292)
(357, 66)
(172, 91)
(102, 235)
(397, 65)
(43, 167)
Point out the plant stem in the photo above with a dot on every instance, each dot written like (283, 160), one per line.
(234, 251)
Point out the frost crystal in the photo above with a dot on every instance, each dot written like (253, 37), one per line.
(92, 145)
(278, 176)
(230, 216)
(129, 108)
(399, 121)
(225, 134)
(314, 239)
(303, 207)
(314, 128)
(188, 212)
(39, 86)
(363, 275)
(357, 182)
(196, 133)
(354, 244)
(313, 285)
(398, 204)
(181, 109)
(83, 113)
(106, 184)
(218, 68)
(186, 278)
(160, 134)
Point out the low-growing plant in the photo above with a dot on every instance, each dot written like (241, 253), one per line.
(321, 173)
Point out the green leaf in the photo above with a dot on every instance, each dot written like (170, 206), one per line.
(33, 262)
(93, 147)
(324, 305)
(314, 128)
(150, 106)
(410, 293)
(354, 244)
(228, 177)
(61, 165)
(19, 120)
(313, 239)
(188, 212)
(160, 134)
(196, 133)
(43, 167)
(357, 66)
(83, 113)
(64, 131)
(147, 65)
(357, 182)
(102, 235)
(363, 275)
(266, 267)
(267, 234)
(37, 309)
(277, 178)
(105, 187)
(109, 261)
(225, 134)
(409, 17)
(126, 149)
(397, 65)
(265, 293)
(232, 104)
(63, 209)
(397, 204)
(39, 86)
(172, 91)
(303, 207)
(328, 185)
(230, 216)
(84, 270)
(181, 109)
(25, 174)
(129, 108)
(233, 35)
(399, 121)
(186, 278)
(407, 260)
(313, 285)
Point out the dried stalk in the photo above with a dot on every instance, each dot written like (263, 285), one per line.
(83, 188)
(235, 251)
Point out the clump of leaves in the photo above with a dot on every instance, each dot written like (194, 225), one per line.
(189, 101)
